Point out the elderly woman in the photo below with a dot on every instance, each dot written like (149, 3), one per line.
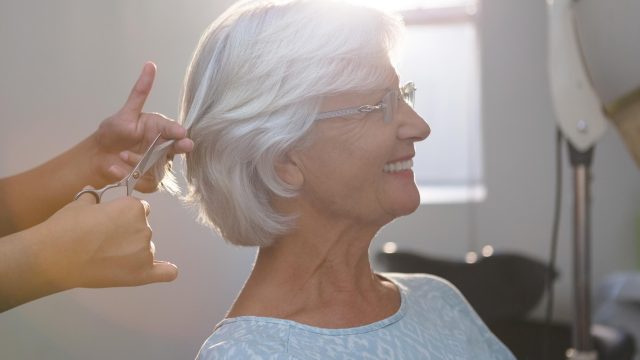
(304, 142)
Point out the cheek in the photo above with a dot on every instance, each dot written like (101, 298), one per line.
(347, 162)
(343, 172)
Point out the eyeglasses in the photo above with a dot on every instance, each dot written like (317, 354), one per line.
(389, 104)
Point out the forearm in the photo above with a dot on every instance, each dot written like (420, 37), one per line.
(31, 197)
(23, 268)
(84, 244)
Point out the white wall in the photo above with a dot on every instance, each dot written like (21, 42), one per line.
(66, 65)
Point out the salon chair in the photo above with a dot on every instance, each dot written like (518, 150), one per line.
(500, 287)
(504, 289)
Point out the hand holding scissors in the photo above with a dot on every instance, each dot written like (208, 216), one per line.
(154, 153)
(50, 245)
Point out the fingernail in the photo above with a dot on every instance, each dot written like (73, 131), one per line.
(124, 155)
(116, 172)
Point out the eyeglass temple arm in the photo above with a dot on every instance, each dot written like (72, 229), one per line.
(350, 111)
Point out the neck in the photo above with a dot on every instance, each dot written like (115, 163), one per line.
(318, 280)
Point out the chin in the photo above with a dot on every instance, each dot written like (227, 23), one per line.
(413, 208)
(408, 204)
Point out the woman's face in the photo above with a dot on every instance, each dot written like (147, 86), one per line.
(348, 167)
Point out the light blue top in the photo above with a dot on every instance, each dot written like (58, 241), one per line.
(434, 322)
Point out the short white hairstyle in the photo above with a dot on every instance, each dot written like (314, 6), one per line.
(252, 93)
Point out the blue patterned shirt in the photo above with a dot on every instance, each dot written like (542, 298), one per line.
(434, 322)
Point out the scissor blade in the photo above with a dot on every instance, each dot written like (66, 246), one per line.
(159, 153)
(153, 154)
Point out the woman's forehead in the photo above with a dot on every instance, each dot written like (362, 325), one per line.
(389, 80)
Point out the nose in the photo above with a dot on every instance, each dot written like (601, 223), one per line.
(412, 126)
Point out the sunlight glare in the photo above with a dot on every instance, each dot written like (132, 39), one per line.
(399, 5)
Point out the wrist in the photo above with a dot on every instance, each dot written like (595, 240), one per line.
(94, 169)
(38, 268)
(77, 167)
(53, 257)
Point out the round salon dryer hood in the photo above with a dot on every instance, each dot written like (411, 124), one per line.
(609, 36)
(594, 69)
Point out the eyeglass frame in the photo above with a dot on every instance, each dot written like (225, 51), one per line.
(405, 93)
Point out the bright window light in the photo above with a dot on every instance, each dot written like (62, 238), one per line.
(442, 60)
(441, 57)
(400, 5)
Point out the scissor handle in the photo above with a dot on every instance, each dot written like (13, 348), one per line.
(97, 193)
(150, 157)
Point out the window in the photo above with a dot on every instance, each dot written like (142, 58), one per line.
(441, 56)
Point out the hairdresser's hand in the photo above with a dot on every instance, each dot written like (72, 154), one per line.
(103, 245)
(122, 138)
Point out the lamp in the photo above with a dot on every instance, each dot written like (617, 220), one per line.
(592, 81)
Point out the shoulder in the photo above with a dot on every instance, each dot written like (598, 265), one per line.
(435, 301)
(430, 291)
(431, 294)
(247, 338)
(420, 283)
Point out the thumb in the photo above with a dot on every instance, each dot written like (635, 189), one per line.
(162, 271)
(88, 198)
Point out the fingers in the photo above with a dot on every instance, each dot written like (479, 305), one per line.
(116, 172)
(130, 210)
(154, 272)
(169, 129)
(128, 255)
(158, 123)
(141, 89)
(179, 147)
(132, 159)
(148, 182)
(183, 146)
(147, 208)
(162, 271)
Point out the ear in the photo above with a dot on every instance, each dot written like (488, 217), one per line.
(289, 171)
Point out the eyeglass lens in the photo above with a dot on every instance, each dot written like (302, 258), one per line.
(391, 101)
(407, 92)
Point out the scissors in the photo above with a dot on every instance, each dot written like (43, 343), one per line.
(154, 153)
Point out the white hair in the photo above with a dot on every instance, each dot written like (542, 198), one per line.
(252, 92)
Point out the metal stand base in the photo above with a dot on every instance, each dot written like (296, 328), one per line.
(573, 354)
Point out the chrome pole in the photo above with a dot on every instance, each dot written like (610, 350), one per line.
(582, 342)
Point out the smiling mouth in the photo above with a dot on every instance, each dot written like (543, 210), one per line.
(398, 166)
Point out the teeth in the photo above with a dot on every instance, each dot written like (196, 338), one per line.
(398, 166)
